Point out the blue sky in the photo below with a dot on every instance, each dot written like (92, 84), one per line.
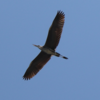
(26, 22)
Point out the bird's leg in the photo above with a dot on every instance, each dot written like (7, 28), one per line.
(59, 55)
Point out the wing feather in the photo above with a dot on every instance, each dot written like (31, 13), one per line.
(36, 65)
(55, 31)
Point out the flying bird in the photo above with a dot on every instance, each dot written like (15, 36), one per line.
(49, 47)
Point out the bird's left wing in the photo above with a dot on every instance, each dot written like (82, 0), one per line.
(36, 65)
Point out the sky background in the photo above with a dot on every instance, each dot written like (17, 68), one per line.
(26, 22)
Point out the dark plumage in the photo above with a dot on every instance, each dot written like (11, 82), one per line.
(55, 31)
(51, 43)
(36, 65)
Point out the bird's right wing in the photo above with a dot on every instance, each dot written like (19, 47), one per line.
(36, 65)
(55, 31)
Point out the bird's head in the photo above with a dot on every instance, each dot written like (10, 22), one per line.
(37, 46)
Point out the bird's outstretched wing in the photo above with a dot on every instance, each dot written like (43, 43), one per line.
(36, 65)
(55, 31)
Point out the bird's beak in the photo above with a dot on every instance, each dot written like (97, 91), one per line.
(35, 45)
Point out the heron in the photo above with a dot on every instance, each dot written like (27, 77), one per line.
(49, 47)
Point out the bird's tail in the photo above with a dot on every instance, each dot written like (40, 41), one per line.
(59, 55)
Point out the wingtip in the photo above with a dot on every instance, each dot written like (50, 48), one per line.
(25, 78)
(60, 12)
(28, 76)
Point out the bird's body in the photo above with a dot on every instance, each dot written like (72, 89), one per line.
(50, 51)
(49, 48)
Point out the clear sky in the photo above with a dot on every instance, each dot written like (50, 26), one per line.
(26, 22)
